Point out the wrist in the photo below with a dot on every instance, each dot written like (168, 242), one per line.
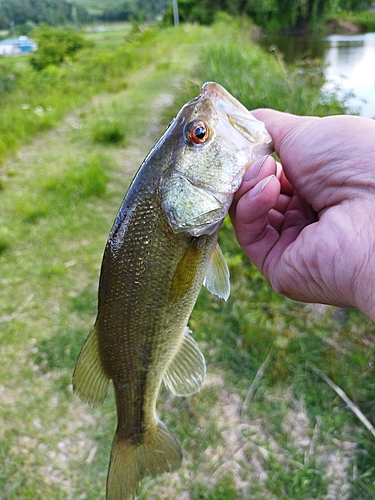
(365, 287)
(361, 256)
(367, 304)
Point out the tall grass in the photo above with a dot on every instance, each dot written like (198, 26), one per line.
(58, 201)
(33, 101)
(365, 20)
(256, 322)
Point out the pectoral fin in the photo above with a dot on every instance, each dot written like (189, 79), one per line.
(217, 277)
(89, 379)
(185, 274)
(187, 371)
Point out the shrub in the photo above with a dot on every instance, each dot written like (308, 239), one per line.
(108, 131)
(55, 45)
(7, 80)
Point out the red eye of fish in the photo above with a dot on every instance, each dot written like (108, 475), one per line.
(197, 132)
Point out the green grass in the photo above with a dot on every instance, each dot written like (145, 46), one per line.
(364, 20)
(59, 195)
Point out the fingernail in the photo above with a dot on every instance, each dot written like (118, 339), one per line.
(257, 190)
(256, 167)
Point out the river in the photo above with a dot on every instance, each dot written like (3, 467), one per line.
(349, 63)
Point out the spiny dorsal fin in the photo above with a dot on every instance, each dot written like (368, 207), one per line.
(217, 277)
(89, 380)
(187, 371)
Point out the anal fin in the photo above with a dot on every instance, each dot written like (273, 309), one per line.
(187, 371)
(89, 379)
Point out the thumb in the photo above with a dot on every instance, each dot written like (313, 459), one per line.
(282, 126)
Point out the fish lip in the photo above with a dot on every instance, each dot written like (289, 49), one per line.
(221, 96)
(237, 114)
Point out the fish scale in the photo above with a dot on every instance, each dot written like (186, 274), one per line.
(162, 247)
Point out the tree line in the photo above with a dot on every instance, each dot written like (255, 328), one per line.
(29, 12)
(268, 14)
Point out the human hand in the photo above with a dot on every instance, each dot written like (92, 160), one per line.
(309, 225)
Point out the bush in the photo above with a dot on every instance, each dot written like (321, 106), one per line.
(7, 80)
(108, 131)
(55, 45)
(196, 12)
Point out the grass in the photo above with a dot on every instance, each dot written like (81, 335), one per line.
(60, 193)
(364, 20)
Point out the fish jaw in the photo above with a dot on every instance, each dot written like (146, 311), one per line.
(198, 190)
(240, 118)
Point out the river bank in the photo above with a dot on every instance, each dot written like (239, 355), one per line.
(346, 60)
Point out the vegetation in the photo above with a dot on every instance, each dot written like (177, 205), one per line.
(266, 423)
(39, 99)
(270, 15)
(364, 20)
(54, 46)
(53, 12)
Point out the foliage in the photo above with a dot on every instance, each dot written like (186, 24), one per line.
(262, 79)
(54, 45)
(125, 11)
(60, 195)
(353, 5)
(365, 20)
(129, 10)
(37, 100)
(52, 12)
(192, 12)
(268, 14)
(108, 131)
(270, 83)
(8, 80)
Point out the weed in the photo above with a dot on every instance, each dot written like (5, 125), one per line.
(294, 438)
(4, 244)
(81, 180)
(108, 131)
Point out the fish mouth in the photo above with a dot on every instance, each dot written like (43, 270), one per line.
(238, 116)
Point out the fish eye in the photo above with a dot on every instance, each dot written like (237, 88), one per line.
(198, 132)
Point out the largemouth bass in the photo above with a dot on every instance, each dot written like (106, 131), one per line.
(162, 247)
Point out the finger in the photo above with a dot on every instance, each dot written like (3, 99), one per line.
(286, 186)
(260, 169)
(298, 204)
(282, 203)
(255, 202)
(253, 230)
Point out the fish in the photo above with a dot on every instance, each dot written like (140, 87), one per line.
(162, 247)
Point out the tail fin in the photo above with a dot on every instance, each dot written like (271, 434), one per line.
(159, 452)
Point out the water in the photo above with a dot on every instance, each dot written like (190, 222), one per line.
(349, 61)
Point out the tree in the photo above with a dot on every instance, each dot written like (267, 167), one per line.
(268, 14)
(52, 12)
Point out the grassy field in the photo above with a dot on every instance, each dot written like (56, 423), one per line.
(267, 424)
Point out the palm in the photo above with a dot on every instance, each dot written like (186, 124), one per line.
(310, 236)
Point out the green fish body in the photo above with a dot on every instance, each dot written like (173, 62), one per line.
(162, 247)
